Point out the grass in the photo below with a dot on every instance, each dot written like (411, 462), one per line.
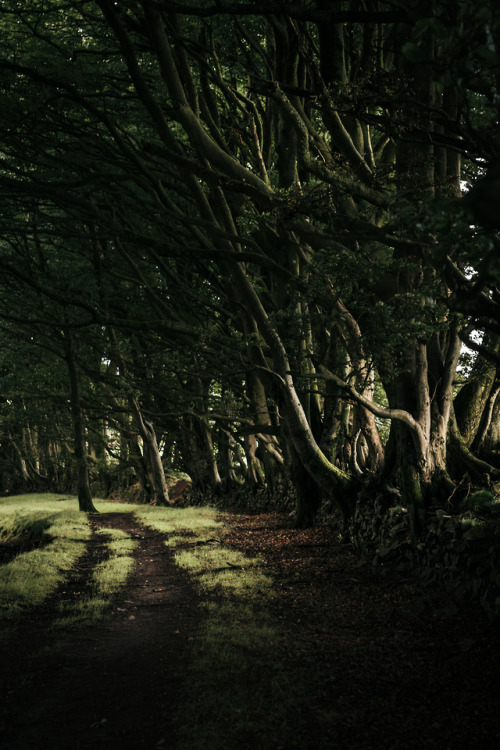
(32, 576)
(183, 524)
(110, 575)
(108, 578)
(62, 530)
(236, 691)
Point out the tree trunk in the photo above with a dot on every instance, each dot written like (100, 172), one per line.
(332, 481)
(84, 494)
(254, 468)
(472, 399)
(490, 446)
(139, 464)
(462, 462)
(308, 493)
(226, 444)
(151, 454)
(198, 455)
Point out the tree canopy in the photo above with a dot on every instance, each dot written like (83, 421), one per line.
(250, 242)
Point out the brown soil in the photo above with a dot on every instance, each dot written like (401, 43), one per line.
(388, 663)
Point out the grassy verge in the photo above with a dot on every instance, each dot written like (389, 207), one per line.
(62, 531)
(35, 574)
(236, 692)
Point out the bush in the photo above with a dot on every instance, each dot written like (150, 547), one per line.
(461, 550)
(480, 502)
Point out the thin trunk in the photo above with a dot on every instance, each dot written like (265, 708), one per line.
(21, 460)
(137, 460)
(254, 468)
(84, 494)
(151, 453)
(200, 426)
(462, 461)
(487, 437)
(226, 445)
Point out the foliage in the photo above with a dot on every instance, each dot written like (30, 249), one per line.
(480, 502)
(462, 551)
(249, 261)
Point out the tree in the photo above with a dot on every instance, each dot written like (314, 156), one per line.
(287, 206)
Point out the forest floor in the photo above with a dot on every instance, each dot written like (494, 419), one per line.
(385, 661)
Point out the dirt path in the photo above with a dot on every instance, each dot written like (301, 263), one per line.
(384, 663)
(111, 686)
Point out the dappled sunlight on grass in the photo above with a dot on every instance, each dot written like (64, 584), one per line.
(107, 506)
(33, 575)
(183, 522)
(201, 558)
(31, 517)
(55, 522)
(225, 570)
(253, 584)
(236, 685)
(108, 577)
(234, 678)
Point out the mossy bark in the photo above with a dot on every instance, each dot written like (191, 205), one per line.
(472, 399)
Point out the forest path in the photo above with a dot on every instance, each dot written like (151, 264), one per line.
(380, 661)
(109, 685)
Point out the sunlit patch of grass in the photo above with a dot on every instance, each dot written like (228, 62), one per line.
(55, 522)
(28, 518)
(252, 585)
(182, 523)
(33, 575)
(203, 558)
(107, 506)
(225, 570)
(108, 577)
